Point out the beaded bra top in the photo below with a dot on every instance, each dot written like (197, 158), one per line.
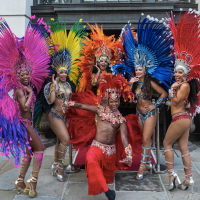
(61, 94)
(108, 115)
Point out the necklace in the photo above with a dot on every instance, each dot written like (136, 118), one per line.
(140, 84)
(108, 115)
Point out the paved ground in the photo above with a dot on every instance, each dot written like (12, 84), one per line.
(75, 188)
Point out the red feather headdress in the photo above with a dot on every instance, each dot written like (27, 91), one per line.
(187, 43)
(113, 87)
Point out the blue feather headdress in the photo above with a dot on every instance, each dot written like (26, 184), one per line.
(153, 50)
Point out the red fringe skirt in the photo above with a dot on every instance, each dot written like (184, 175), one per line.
(99, 170)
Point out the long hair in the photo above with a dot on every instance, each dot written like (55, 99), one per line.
(146, 88)
(193, 96)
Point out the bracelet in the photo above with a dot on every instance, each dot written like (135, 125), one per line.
(159, 102)
(128, 151)
(69, 103)
(96, 78)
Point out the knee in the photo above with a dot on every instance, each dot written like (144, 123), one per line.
(167, 145)
(183, 148)
(146, 141)
(64, 141)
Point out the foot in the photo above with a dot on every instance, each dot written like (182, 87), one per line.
(60, 173)
(110, 194)
(21, 185)
(171, 179)
(185, 182)
(141, 170)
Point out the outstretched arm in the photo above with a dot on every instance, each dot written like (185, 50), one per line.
(81, 106)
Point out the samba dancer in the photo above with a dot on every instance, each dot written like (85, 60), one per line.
(149, 56)
(24, 64)
(101, 157)
(183, 93)
(64, 57)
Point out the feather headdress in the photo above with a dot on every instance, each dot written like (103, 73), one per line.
(67, 47)
(152, 50)
(96, 47)
(113, 87)
(186, 43)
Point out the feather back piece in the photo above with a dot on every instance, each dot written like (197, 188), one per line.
(153, 50)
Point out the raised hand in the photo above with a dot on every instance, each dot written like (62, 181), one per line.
(97, 67)
(54, 81)
(134, 79)
(28, 91)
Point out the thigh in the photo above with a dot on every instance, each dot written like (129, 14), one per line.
(176, 130)
(149, 126)
(59, 128)
(140, 124)
(35, 143)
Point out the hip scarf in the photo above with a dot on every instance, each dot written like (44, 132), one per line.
(100, 166)
(178, 116)
(56, 114)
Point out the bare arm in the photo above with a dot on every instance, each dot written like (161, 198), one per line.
(123, 131)
(182, 93)
(21, 99)
(95, 77)
(86, 107)
(158, 89)
(52, 95)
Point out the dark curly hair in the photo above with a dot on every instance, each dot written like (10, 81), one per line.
(193, 96)
(146, 88)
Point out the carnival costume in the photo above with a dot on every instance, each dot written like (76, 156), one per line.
(102, 159)
(66, 51)
(21, 54)
(187, 58)
(152, 51)
(96, 47)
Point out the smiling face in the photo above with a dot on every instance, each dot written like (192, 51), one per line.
(24, 77)
(63, 75)
(179, 74)
(103, 64)
(139, 72)
(113, 104)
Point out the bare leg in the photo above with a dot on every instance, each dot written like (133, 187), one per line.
(183, 147)
(149, 126)
(38, 147)
(61, 132)
(175, 131)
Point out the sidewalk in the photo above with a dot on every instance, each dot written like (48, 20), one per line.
(75, 187)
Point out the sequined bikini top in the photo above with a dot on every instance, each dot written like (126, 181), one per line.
(141, 97)
(61, 94)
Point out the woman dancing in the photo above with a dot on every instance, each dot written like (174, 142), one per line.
(64, 57)
(25, 64)
(183, 94)
(150, 56)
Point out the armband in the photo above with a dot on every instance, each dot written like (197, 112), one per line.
(159, 102)
(128, 151)
(173, 92)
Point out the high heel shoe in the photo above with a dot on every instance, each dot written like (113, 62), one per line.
(150, 166)
(141, 176)
(19, 190)
(185, 187)
(32, 193)
(172, 185)
(54, 168)
(60, 177)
